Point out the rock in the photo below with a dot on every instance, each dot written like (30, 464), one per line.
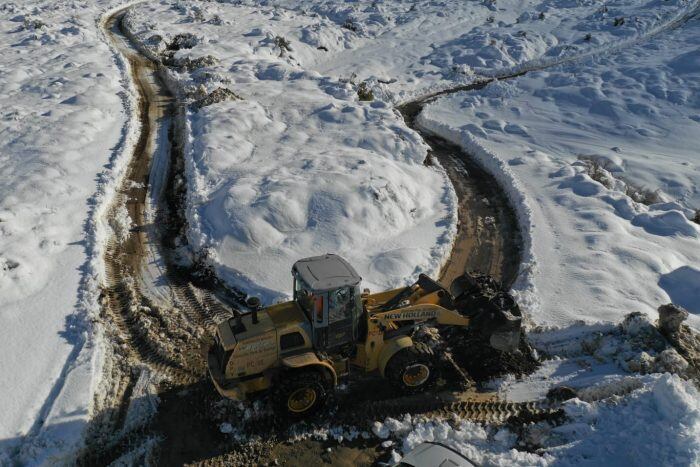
(217, 95)
(670, 361)
(642, 363)
(636, 324)
(187, 63)
(561, 393)
(183, 41)
(671, 317)
(641, 333)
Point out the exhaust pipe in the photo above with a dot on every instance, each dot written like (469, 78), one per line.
(254, 304)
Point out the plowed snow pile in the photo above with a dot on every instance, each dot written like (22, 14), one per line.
(658, 424)
(616, 417)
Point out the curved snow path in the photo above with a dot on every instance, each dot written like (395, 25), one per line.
(521, 280)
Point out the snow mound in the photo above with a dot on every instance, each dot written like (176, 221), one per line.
(300, 166)
(681, 285)
(668, 223)
(658, 424)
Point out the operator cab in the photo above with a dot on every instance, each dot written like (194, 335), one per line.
(327, 289)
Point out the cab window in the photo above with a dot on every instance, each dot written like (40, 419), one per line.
(341, 303)
(318, 307)
(311, 304)
(302, 296)
(291, 340)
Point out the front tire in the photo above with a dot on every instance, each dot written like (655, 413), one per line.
(300, 394)
(412, 369)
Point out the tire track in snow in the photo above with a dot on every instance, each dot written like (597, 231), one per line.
(131, 314)
(140, 328)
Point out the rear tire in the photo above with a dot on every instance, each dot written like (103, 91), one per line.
(301, 393)
(412, 369)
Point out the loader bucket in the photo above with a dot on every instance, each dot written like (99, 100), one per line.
(495, 314)
(500, 325)
(506, 337)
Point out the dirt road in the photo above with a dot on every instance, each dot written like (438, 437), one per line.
(159, 308)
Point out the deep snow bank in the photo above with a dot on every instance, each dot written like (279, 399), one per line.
(657, 424)
(63, 131)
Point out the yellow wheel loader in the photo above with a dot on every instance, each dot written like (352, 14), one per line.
(299, 349)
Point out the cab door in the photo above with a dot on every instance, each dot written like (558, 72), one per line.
(341, 313)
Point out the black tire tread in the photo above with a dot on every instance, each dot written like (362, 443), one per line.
(419, 352)
(289, 381)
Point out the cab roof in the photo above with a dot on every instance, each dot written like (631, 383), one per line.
(326, 272)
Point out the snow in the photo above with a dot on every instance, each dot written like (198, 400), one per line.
(476, 442)
(615, 420)
(598, 156)
(62, 130)
(656, 425)
(598, 252)
(681, 285)
(300, 166)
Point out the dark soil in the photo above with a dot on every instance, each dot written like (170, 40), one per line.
(482, 362)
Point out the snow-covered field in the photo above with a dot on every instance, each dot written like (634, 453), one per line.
(61, 130)
(625, 241)
(598, 155)
(299, 165)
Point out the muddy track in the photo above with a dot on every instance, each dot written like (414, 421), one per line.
(148, 333)
(161, 334)
(488, 238)
(159, 308)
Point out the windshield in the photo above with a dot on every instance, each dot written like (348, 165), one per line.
(341, 303)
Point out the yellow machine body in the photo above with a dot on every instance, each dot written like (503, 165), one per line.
(255, 350)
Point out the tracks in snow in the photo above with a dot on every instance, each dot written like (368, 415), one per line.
(156, 312)
(154, 315)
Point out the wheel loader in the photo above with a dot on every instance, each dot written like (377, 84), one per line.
(300, 349)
